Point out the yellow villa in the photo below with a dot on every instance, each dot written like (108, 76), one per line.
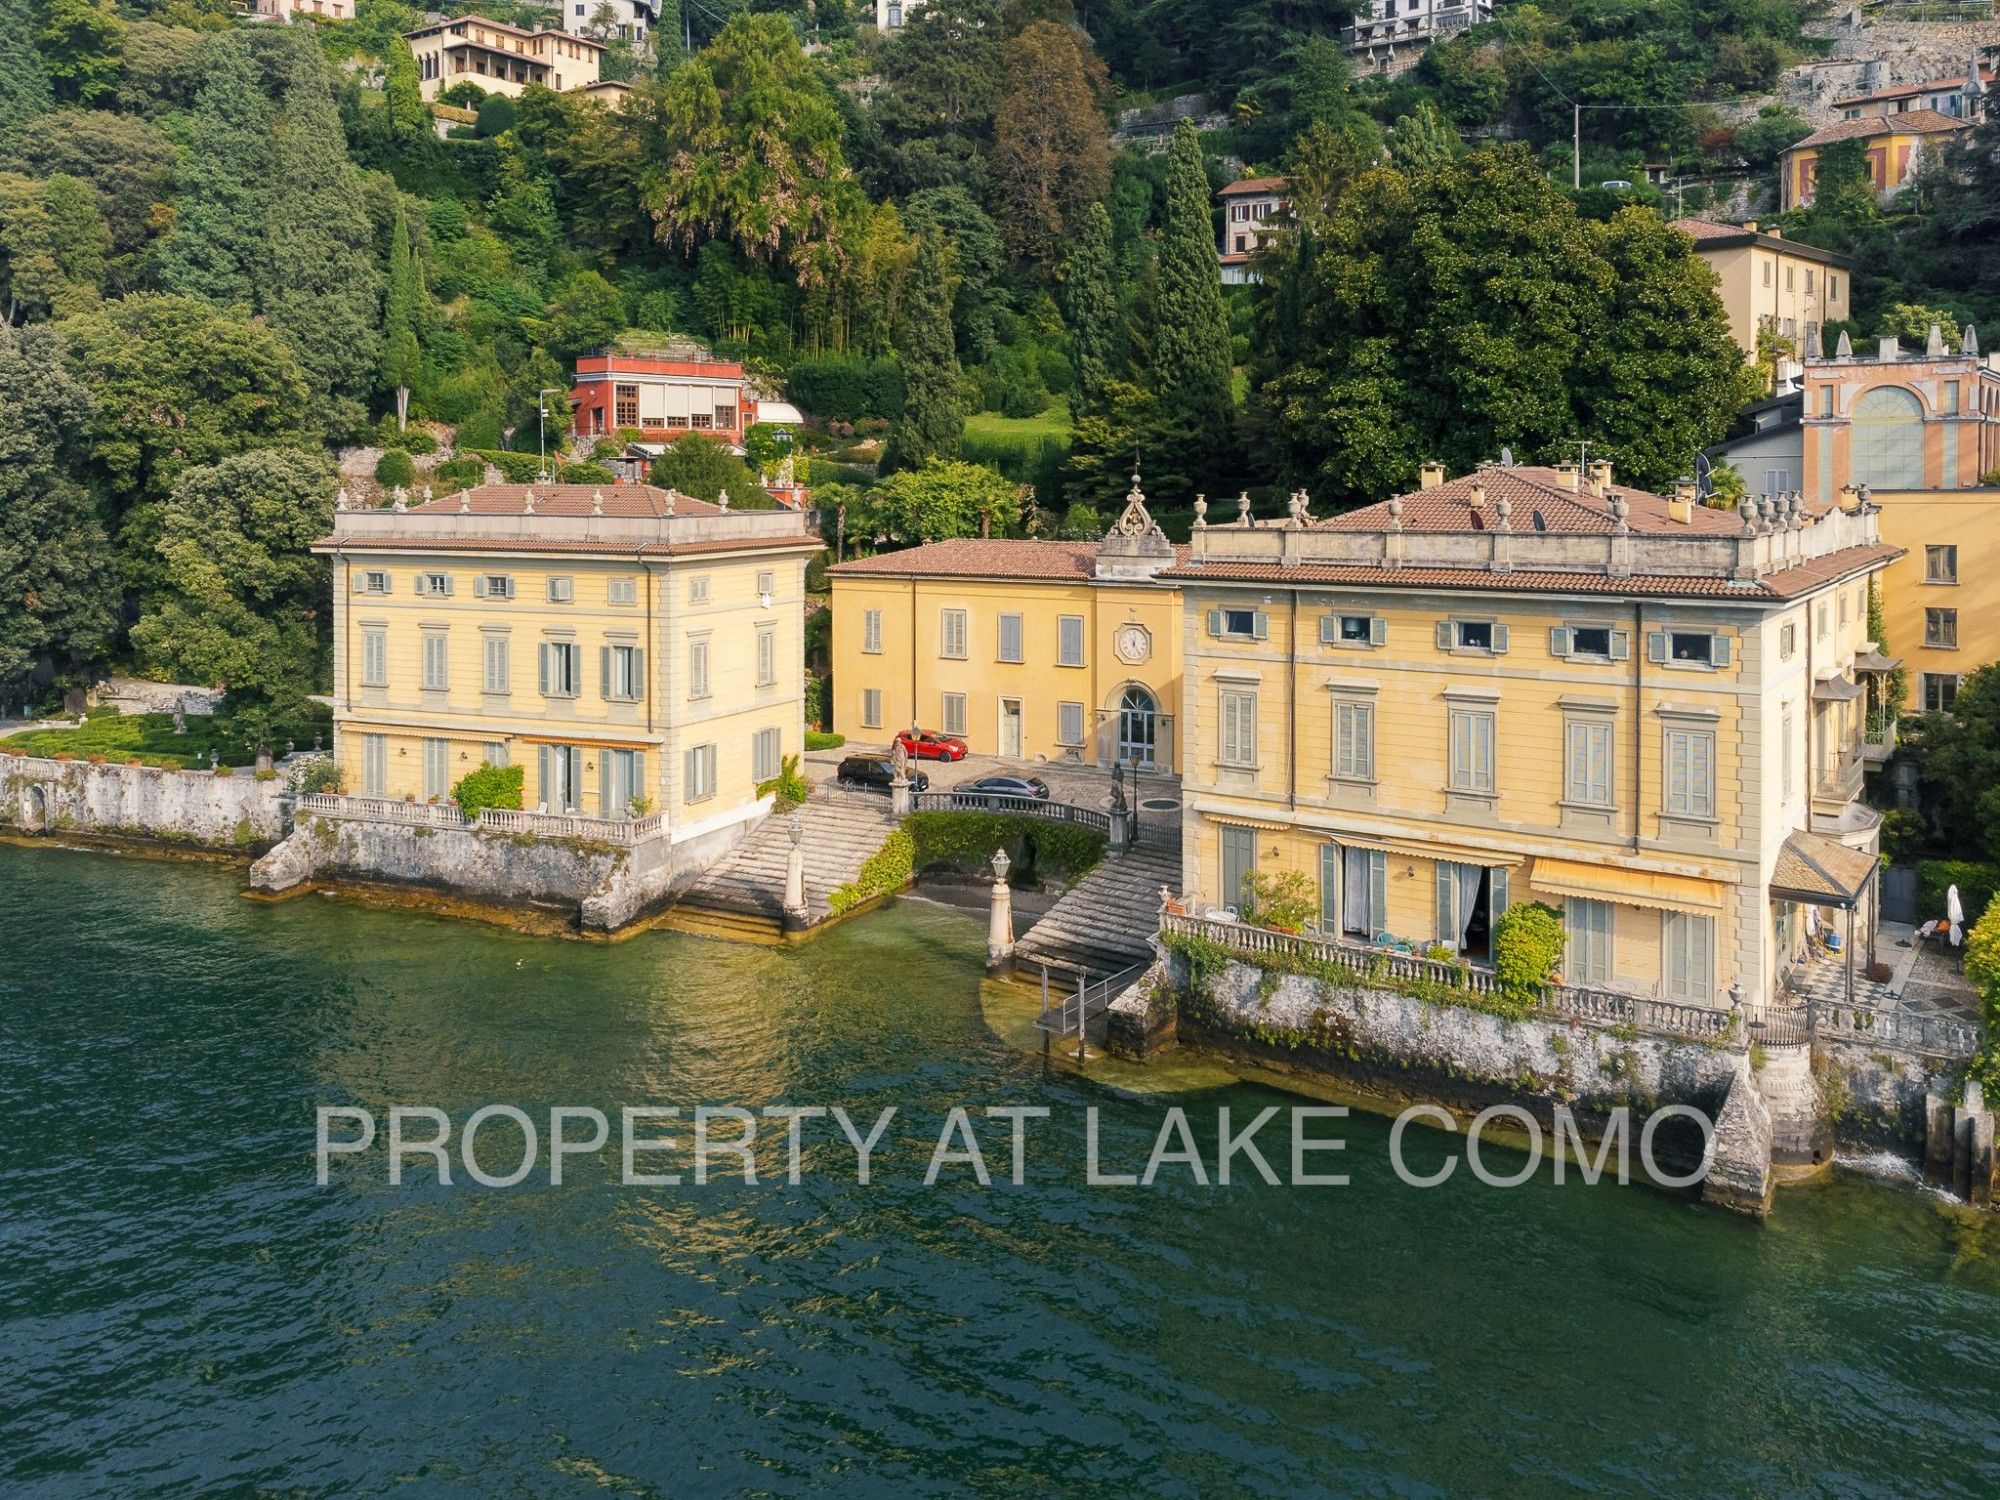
(1769, 284)
(1920, 429)
(638, 653)
(501, 58)
(1532, 684)
(1041, 650)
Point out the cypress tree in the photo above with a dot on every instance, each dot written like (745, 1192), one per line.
(1189, 370)
(1090, 307)
(401, 360)
(217, 248)
(933, 418)
(325, 288)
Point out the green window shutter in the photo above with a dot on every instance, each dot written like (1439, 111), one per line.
(1378, 630)
(1378, 891)
(358, 581)
(1559, 641)
(1260, 625)
(1447, 635)
(1496, 894)
(604, 671)
(1446, 882)
(1214, 619)
(1656, 645)
(639, 672)
(479, 587)
(542, 774)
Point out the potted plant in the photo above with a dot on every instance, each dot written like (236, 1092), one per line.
(1285, 902)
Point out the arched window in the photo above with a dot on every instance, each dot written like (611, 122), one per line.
(1889, 440)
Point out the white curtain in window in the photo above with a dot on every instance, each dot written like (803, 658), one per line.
(1354, 914)
(1469, 877)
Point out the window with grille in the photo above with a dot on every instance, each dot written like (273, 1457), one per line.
(1587, 763)
(1690, 773)
(1472, 752)
(1238, 715)
(493, 586)
(434, 585)
(626, 402)
(1069, 723)
(951, 631)
(372, 582)
(1069, 640)
(1940, 692)
(1353, 740)
(1888, 440)
(496, 664)
(437, 662)
(374, 658)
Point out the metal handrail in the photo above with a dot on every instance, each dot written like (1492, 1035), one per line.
(1074, 1012)
(1095, 819)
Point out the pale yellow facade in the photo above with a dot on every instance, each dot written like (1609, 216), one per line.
(1645, 787)
(624, 682)
(1766, 282)
(501, 59)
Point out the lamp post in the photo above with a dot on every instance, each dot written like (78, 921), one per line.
(795, 877)
(542, 430)
(1000, 921)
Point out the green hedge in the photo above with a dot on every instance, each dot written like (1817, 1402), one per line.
(1039, 849)
(1982, 967)
(1977, 881)
(846, 388)
(489, 786)
(516, 468)
(885, 871)
(821, 740)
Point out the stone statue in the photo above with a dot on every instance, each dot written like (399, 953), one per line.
(899, 760)
(180, 715)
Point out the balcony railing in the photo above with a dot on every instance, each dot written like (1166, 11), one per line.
(1841, 781)
(1592, 1007)
(621, 831)
(1878, 740)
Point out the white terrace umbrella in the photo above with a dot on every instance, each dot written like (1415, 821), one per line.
(1954, 909)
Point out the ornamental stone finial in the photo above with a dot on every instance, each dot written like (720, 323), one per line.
(340, 499)
(401, 497)
(528, 501)
(1201, 512)
(1243, 509)
(597, 502)
(1395, 512)
(722, 500)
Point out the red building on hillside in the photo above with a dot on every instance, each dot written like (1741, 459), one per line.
(662, 394)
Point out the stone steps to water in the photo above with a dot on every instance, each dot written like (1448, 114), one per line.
(1106, 921)
(839, 831)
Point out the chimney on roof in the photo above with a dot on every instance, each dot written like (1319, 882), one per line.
(1850, 498)
(1431, 475)
(1887, 349)
(1750, 226)
(1600, 476)
(1566, 475)
(1475, 496)
(1680, 505)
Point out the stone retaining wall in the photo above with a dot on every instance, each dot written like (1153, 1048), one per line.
(602, 887)
(193, 808)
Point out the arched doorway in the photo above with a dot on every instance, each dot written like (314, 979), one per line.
(1138, 726)
(34, 809)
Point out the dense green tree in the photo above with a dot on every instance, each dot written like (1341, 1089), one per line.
(81, 42)
(588, 313)
(704, 468)
(1051, 154)
(52, 246)
(243, 603)
(1763, 139)
(58, 591)
(933, 418)
(402, 309)
(941, 80)
(24, 84)
(977, 262)
(1450, 312)
(1912, 322)
(1959, 755)
(941, 498)
(219, 246)
(129, 163)
(161, 67)
(1188, 367)
(1422, 139)
(403, 91)
(753, 151)
(325, 288)
(1091, 311)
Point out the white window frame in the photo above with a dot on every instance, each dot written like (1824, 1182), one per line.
(1688, 773)
(561, 669)
(496, 663)
(434, 585)
(493, 586)
(1237, 721)
(1472, 762)
(1353, 739)
(767, 754)
(954, 634)
(1590, 762)
(698, 773)
(621, 590)
(871, 632)
(624, 673)
(562, 589)
(1069, 640)
(951, 713)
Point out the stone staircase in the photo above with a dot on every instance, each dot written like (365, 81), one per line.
(745, 896)
(1107, 920)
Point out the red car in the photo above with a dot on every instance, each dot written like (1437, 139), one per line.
(921, 744)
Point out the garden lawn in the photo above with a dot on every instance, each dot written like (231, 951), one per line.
(150, 738)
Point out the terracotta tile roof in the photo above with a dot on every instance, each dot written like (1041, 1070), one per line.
(1708, 229)
(977, 557)
(1706, 233)
(1905, 90)
(1772, 587)
(1910, 122)
(1820, 869)
(1532, 492)
(604, 546)
(564, 500)
(1254, 185)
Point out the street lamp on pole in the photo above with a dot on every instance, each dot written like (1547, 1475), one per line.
(542, 429)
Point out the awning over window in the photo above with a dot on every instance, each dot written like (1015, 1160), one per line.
(1819, 871)
(1836, 690)
(1458, 854)
(1875, 661)
(1630, 887)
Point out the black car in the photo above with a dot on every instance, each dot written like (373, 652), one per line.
(1008, 786)
(876, 771)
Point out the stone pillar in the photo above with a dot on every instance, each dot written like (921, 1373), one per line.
(1000, 920)
(1801, 1130)
(899, 796)
(796, 915)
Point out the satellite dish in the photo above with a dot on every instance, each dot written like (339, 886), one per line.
(1704, 476)
(1506, 458)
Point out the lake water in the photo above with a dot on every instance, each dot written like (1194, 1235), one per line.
(183, 1311)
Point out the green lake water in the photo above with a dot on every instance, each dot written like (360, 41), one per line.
(184, 1312)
